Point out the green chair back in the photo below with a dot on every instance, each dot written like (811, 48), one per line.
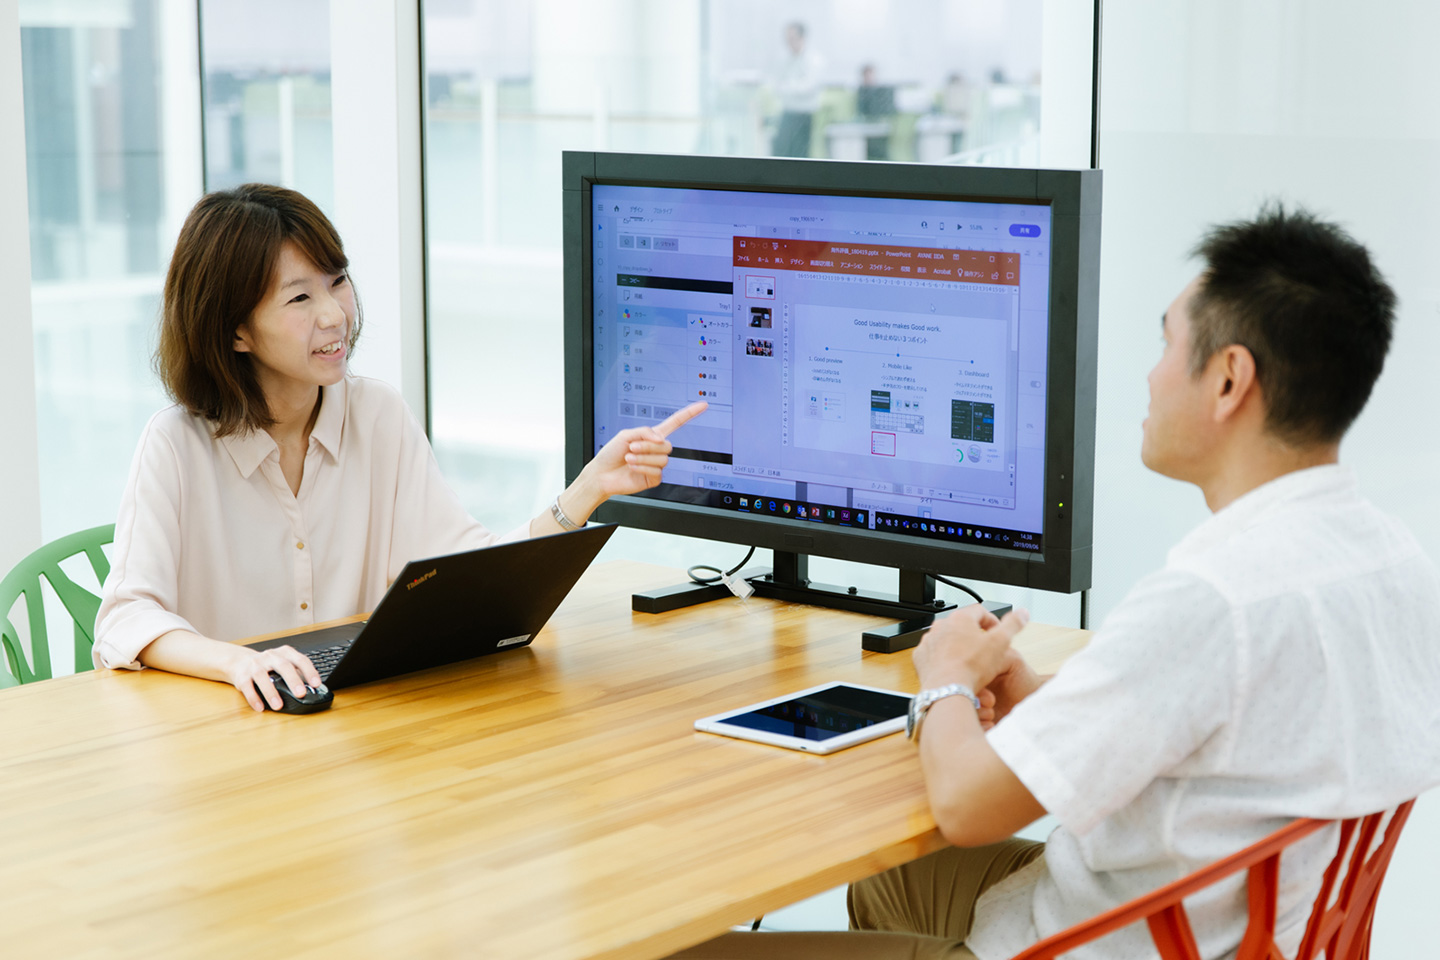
(81, 604)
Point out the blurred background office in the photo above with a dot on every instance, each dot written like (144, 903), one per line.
(132, 107)
(432, 133)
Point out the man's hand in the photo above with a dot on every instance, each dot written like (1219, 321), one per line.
(975, 797)
(970, 646)
(1015, 681)
(987, 708)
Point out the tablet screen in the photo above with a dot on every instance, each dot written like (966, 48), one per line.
(824, 714)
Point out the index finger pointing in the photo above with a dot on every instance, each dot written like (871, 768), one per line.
(679, 418)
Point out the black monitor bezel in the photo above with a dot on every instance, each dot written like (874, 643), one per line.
(1064, 563)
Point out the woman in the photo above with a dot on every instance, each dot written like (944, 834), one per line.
(278, 491)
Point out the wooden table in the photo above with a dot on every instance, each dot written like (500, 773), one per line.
(550, 802)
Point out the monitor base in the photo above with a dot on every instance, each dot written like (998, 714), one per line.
(915, 607)
(907, 633)
(680, 595)
(895, 637)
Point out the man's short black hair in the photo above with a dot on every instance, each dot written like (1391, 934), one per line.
(1303, 297)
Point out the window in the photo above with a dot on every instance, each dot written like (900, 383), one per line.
(267, 95)
(512, 84)
(112, 135)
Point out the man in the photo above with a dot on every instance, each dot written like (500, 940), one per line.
(798, 88)
(1284, 663)
(875, 103)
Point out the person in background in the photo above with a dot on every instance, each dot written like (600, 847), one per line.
(954, 98)
(1282, 664)
(279, 490)
(798, 87)
(875, 103)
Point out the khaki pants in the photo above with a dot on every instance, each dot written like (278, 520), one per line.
(919, 911)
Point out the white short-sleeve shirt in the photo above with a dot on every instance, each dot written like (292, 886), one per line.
(209, 537)
(1285, 663)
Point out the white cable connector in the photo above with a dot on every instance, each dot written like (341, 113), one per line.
(738, 586)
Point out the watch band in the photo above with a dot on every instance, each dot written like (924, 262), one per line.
(559, 514)
(921, 703)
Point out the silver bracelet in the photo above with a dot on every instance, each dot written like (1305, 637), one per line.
(565, 522)
(921, 703)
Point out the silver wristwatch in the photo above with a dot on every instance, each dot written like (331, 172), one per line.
(921, 703)
(559, 514)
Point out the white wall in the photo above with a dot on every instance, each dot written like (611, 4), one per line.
(1209, 107)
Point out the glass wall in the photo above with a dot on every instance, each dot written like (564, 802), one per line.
(512, 84)
(267, 95)
(105, 154)
(113, 151)
(120, 144)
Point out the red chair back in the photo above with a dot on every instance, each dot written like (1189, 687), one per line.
(1339, 925)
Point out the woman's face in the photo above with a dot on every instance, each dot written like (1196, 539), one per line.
(299, 334)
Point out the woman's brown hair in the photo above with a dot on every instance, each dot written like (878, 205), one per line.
(223, 266)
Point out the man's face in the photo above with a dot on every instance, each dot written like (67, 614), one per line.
(1179, 431)
(794, 39)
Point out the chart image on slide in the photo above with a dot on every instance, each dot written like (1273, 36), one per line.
(921, 387)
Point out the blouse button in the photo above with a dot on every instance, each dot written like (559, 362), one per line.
(299, 546)
(304, 606)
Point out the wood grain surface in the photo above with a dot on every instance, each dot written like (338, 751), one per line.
(548, 802)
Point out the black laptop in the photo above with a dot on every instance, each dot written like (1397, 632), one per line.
(453, 608)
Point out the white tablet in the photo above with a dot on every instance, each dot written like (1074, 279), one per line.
(823, 719)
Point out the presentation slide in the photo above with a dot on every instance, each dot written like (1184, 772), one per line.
(863, 363)
(918, 387)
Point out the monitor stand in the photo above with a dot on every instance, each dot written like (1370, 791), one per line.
(789, 580)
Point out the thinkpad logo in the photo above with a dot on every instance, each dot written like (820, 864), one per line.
(419, 580)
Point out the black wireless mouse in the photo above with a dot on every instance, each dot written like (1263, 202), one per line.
(315, 699)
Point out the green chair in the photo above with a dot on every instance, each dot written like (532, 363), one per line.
(81, 604)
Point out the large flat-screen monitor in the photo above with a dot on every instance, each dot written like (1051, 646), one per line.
(899, 358)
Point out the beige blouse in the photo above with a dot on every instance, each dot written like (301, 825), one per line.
(209, 537)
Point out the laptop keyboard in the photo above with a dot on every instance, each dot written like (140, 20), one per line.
(325, 658)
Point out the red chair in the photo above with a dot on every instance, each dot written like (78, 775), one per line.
(1340, 929)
